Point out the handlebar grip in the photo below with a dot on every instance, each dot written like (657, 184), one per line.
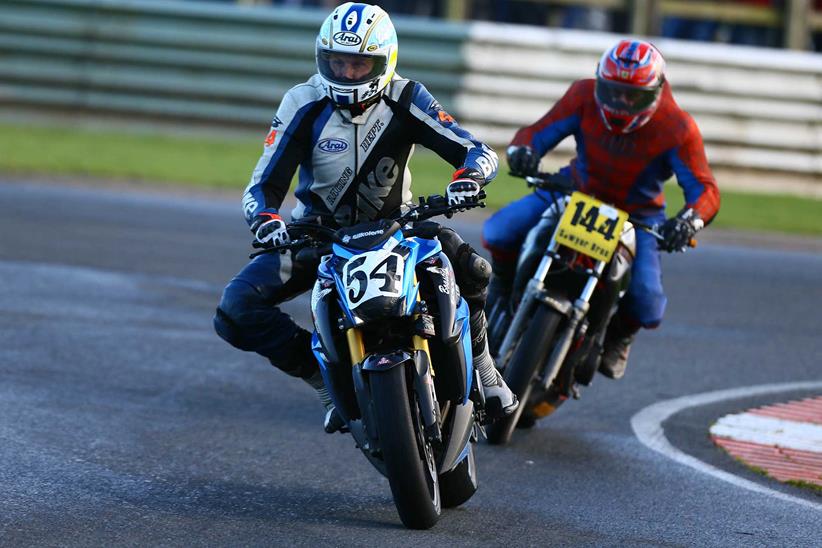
(427, 230)
(262, 249)
(555, 182)
(312, 254)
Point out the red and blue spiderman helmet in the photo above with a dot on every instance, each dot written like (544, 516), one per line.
(629, 83)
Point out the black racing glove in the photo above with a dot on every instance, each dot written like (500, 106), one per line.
(522, 161)
(679, 231)
(465, 187)
(269, 229)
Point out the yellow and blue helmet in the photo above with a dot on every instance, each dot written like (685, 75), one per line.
(356, 53)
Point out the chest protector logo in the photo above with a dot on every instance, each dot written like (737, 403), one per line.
(332, 146)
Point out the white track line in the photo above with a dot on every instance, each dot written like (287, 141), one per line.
(762, 430)
(647, 425)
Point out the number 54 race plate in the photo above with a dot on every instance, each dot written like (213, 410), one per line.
(591, 227)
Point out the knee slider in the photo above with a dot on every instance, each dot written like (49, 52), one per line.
(229, 331)
(475, 269)
(643, 311)
(473, 275)
(237, 300)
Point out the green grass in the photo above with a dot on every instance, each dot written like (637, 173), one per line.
(806, 485)
(200, 161)
(225, 162)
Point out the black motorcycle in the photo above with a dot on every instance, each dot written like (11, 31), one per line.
(574, 267)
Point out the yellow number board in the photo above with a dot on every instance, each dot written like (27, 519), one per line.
(591, 227)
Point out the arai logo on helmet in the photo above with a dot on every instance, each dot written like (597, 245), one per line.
(347, 38)
(332, 145)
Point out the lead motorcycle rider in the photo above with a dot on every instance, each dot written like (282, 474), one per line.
(351, 128)
(631, 136)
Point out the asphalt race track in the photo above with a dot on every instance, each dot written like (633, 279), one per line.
(125, 420)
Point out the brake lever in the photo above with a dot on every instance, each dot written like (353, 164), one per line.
(278, 248)
(263, 251)
(651, 229)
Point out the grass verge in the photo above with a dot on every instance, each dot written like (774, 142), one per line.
(214, 162)
(806, 485)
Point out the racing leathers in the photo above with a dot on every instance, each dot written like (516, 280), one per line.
(627, 170)
(352, 169)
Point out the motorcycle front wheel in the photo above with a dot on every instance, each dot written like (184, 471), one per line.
(409, 458)
(520, 371)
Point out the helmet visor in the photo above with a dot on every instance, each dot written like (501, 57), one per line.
(625, 98)
(349, 68)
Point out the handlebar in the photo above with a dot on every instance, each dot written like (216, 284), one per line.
(556, 182)
(319, 238)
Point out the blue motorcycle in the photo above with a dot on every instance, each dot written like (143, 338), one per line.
(393, 341)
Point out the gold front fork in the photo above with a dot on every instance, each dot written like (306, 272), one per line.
(419, 342)
(422, 344)
(356, 348)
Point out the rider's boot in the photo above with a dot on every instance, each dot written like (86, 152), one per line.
(333, 420)
(499, 400)
(299, 361)
(616, 347)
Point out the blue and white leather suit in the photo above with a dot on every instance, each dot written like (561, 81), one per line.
(351, 169)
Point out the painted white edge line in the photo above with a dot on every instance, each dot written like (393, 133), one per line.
(763, 430)
(647, 425)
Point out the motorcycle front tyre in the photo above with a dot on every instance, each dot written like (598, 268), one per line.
(414, 485)
(529, 356)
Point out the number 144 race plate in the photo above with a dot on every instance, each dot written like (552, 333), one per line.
(591, 227)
